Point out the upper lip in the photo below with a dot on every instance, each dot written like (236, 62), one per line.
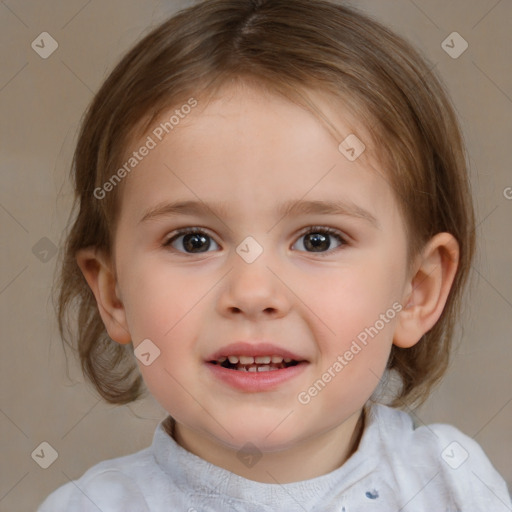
(254, 349)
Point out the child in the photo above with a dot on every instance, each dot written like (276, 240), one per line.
(275, 227)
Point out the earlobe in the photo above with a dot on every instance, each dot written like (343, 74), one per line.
(428, 289)
(99, 275)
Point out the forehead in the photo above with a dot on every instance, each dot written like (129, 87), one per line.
(250, 150)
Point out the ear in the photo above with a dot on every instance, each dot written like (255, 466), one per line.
(427, 290)
(99, 274)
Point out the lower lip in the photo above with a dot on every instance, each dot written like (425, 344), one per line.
(254, 382)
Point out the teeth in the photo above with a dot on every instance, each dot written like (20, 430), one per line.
(256, 364)
(258, 360)
(263, 359)
(255, 368)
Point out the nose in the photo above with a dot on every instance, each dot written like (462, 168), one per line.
(254, 290)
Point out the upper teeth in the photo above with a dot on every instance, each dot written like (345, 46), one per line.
(258, 360)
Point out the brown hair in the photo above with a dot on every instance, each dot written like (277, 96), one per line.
(290, 46)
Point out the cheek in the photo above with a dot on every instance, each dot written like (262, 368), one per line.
(164, 306)
(355, 299)
(167, 315)
(158, 298)
(355, 349)
(360, 310)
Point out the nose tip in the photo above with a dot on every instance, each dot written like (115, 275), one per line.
(253, 289)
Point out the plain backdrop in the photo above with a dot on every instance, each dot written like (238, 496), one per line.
(41, 104)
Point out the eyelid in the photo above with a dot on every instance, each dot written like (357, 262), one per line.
(185, 231)
(326, 229)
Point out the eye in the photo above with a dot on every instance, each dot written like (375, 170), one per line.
(317, 239)
(195, 241)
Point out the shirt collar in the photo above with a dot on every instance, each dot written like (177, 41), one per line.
(195, 475)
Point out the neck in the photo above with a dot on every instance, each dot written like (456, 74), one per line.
(323, 453)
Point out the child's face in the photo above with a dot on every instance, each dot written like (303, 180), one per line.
(253, 153)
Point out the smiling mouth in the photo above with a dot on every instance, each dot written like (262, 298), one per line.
(255, 364)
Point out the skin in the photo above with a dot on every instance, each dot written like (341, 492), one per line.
(253, 151)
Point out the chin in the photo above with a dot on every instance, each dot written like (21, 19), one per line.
(262, 434)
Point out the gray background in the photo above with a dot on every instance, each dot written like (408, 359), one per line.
(42, 101)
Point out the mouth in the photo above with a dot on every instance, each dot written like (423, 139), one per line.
(255, 366)
(266, 363)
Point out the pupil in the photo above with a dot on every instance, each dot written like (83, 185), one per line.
(194, 240)
(314, 241)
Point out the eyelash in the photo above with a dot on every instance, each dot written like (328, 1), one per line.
(313, 229)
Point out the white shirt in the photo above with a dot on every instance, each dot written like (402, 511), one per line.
(396, 467)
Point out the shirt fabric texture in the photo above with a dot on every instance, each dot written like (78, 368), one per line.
(396, 467)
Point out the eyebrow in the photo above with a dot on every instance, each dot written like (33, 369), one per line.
(293, 207)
